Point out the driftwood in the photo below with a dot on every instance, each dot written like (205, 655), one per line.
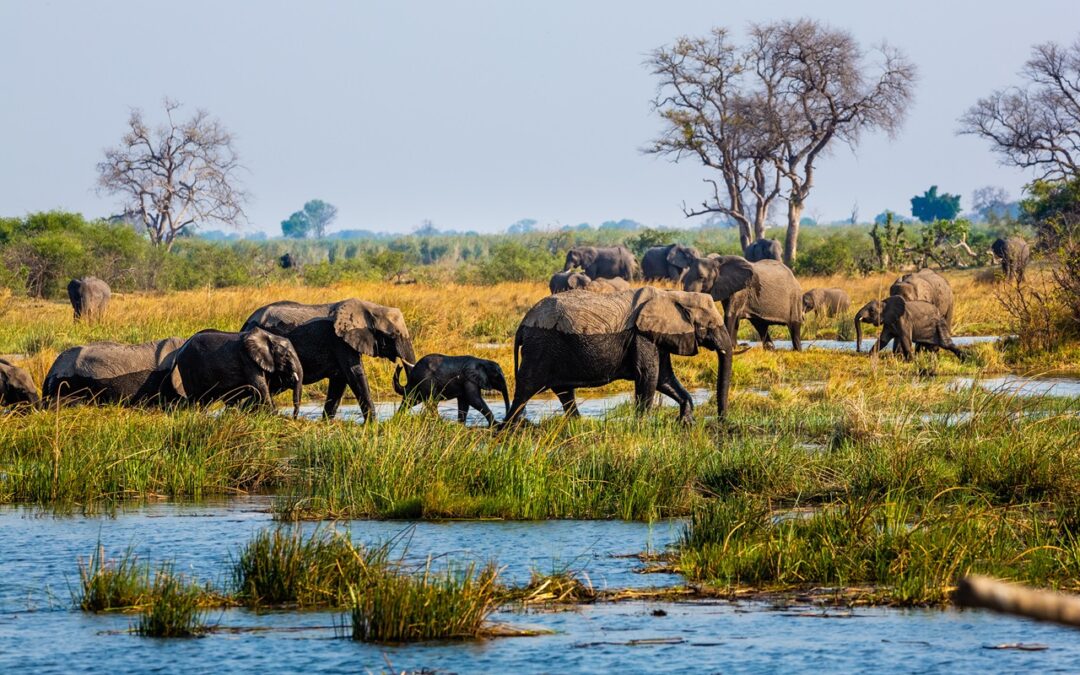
(987, 593)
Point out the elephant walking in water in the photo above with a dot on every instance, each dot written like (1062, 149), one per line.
(914, 323)
(89, 297)
(1014, 254)
(332, 338)
(926, 285)
(438, 377)
(111, 372)
(581, 339)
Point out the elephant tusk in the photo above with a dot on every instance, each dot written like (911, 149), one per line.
(410, 365)
(295, 377)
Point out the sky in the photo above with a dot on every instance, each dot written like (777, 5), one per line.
(472, 115)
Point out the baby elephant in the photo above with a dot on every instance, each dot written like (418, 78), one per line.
(237, 368)
(914, 322)
(827, 301)
(438, 377)
(16, 386)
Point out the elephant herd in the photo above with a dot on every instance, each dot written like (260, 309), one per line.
(593, 329)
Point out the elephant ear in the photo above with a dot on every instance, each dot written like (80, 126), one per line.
(665, 321)
(257, 344)
(733, 273)
(681, 256)
(353, 325)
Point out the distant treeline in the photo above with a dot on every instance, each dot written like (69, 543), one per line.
(42, 251)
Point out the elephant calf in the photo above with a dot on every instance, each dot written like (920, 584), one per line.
(914, 322)
(438, 377)
(869, 313)
(237, 368)
(17, 388)
(111, 372)
(829, 301)
(570, 281)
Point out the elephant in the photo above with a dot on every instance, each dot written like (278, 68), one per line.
(581, 339)
(830, 301)
(1014, 254)
(667, 262)
(89, 297)
(928, 286)
(869, 313)
(235, 368)
(616, 285)
(765, 292)
(111, 372)
(567, 281)
(603, 262)
(914, 322)
(437, 377)
(763, 249)
(331, 339)
(17, 387)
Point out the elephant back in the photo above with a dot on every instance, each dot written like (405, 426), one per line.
(284, 316)
(582, 312)
(111, 360)
(774, 293)
(926, 285)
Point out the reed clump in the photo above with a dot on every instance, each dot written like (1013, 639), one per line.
(282, 566)
(175, 608)
(431, 605)
(119, 584)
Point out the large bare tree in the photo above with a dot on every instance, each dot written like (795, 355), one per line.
(179, 174)
(1036, 126)
(762, 114)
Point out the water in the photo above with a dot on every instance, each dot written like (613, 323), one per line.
(868, 343)
(40, 632)
(1019, 385)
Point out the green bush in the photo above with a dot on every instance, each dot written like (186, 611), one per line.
(834, 253)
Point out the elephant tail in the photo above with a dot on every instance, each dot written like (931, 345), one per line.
(398, 387)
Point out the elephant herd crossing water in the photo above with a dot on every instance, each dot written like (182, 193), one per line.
(593, 329)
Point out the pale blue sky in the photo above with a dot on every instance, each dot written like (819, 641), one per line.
(471, 114)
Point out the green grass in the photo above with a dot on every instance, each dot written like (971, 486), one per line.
(430, 605)
(282, 566)
(174, 609)
(112, 584)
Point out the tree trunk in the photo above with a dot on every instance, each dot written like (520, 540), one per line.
(791, 241)
(761, 213)
(745, 237)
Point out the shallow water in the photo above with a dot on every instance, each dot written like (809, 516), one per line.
(849, 345)
(39, 631)
(1020, 385)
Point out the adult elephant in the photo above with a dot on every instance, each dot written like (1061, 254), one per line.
(111, 372)
(667, 262)
(616, 285)
(765, 292)
(1014, 254)
(581, 339)
(89, 297)
(332, 338)
(827, 301)
(914, 323)
(236, 368)
(567, 281)
(17, 387)
(606, 262)
(763, 249)
(926, 285)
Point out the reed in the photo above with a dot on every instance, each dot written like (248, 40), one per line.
(174, 609)
(112, 584)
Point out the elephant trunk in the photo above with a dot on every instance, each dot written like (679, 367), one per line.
(405, 352)
(858, 334)
(724, 358)
(399, 389)
(298, 386)
(501, 386)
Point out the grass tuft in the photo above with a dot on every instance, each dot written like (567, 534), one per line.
(112, 584)
(175, 608)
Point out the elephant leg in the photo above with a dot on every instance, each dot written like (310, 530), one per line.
(524, 390)
(648, 372)
(357, 380)
(475, 398)
(762, 329)
(569, 402)
(462, 409)
(883, 341)
(796, 336)
(334, 392)
(904, 338)
(669, 385)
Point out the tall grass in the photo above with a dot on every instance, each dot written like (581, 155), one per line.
(174, 609)
(448, 604)
(112, 584)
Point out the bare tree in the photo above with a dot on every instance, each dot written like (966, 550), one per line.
(176, 175)
(1036, 126)
(762, 115)
(708, 103)
(824, 91)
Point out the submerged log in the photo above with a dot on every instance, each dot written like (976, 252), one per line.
(987, 593)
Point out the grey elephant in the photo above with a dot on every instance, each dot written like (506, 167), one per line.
(332, 338)
(89, 297)
(869, 313)
(928, 286)
(606, 262)
(763, 249)
(236, 368)
(581, 339)
(911, 323)
(17, 387)
(111, 372)
(667, 262)
(1014, 254)
(437, 377)
(616, 285)
(827, 301)
(771, 295)
(567, 281)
